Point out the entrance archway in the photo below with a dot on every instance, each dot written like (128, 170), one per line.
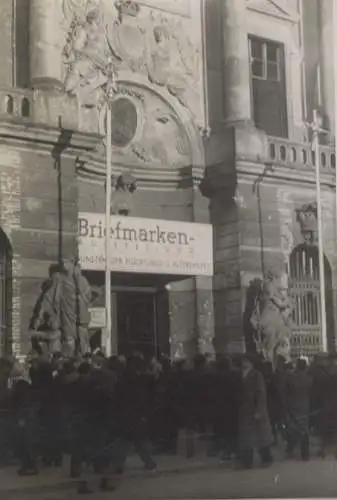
(305, 287)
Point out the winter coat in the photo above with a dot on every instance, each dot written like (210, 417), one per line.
(297, 401)
(254, 424)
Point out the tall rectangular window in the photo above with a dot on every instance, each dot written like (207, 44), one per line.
(268, 86)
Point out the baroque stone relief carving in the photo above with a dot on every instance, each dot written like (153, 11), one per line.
(87, 51)
(159, 139)
(140, 40)
(149, 133)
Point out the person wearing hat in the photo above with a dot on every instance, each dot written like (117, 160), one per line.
(255, 433)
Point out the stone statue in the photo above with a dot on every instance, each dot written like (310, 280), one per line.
(251, 315)
(61, 316)
(271, 319)
(45, 327)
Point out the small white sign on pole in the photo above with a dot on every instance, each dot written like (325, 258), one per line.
(97, 317)
(148, 246)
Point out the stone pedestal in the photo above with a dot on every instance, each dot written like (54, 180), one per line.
(46, 39)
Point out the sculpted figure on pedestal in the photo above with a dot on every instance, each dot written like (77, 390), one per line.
(61, 316)
(271, 319)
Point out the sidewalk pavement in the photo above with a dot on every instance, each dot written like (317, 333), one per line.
(54, 479)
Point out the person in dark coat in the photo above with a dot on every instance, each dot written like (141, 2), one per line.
(254, 425)
(133, 402)
(324, 402)
(50, 421)
(225, 413)
(25, 409)
(201, 384)
(273, 403)
(298, 386)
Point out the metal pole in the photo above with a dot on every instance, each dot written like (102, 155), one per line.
(320, 232)
(334, 24)
(107, 340)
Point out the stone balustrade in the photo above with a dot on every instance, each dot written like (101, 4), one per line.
(45, 107)
(16, 103)
(284, 152)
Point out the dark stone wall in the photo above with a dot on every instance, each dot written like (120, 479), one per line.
(30, 216)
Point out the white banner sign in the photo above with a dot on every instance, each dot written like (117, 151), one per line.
(148, 246)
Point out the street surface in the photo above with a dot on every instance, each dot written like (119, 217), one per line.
(317, 478)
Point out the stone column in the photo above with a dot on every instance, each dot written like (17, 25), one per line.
(46, 44)
(327, 47)
(236, 62)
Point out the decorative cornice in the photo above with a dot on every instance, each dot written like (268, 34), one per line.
(278, 11)
(45, 136)
(295, 175)
(146, 176)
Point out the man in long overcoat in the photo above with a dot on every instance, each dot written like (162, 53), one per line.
(298, 385)
(254, 425)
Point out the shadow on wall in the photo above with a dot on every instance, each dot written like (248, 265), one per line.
(61, 145)
(6, 295)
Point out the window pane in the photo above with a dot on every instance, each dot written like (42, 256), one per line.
(272, 51)
(257, 49)
(272, 71)
(257, 68)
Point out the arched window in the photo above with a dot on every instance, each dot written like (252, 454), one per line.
(5, 294)
(25, 107)
(305, 287)
(9, 104)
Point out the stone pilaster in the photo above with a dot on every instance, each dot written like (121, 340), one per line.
(236, 62)
(182, 318)
(226, 286)
(327, 45)
(46, 44)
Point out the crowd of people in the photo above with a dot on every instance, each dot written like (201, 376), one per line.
(95, 408)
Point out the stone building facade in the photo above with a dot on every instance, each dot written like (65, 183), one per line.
(192, 127)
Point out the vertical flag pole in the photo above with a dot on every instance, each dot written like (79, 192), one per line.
(334, 24)
(107, 340)
(316, 129)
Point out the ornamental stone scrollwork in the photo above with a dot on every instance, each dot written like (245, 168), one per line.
(163, 142)
(306, 216)
(154, 46)
(127, 117)
(127, 7)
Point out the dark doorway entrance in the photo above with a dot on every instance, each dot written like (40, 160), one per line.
(137, 323)
(140, 311)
